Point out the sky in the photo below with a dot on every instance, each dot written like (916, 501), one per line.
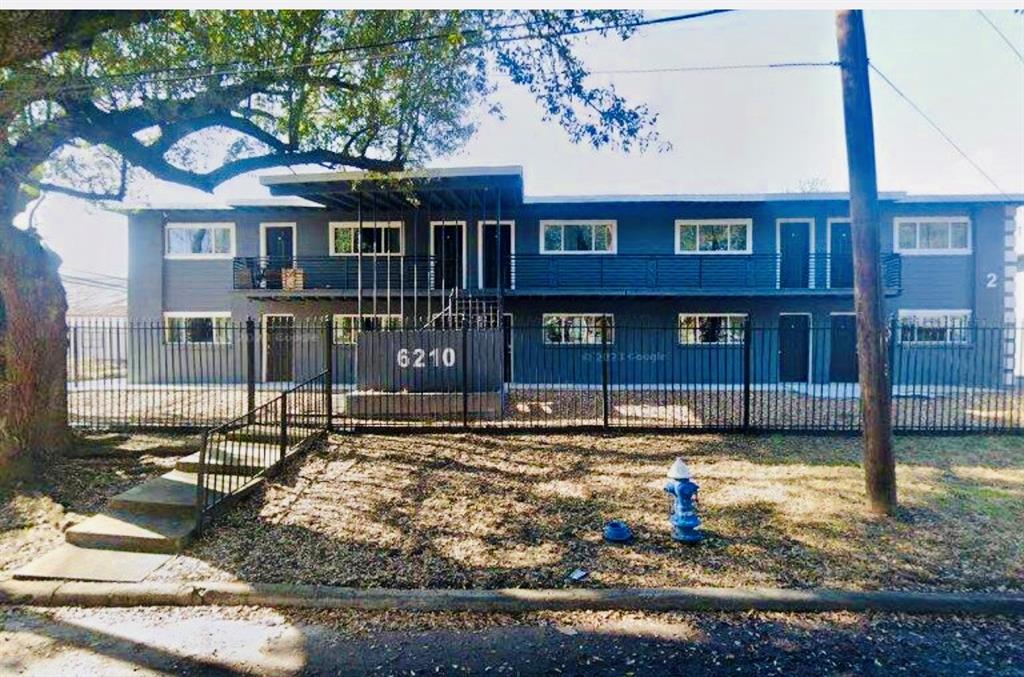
(731, 131)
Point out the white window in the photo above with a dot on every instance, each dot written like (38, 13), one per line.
(201, 327)
(577, 237)
(932, 235)
(350, 238)
(711, 329)
(714, 236)
(199, 240)
(935, 327)
(347, 327)
(578, 329)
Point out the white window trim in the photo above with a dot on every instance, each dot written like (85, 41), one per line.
(171, 225)
(959, 251)
(480, 249)
(679, 333)
(611, 223)
(811, 268)
(907, 313)
(279, 224)
(357, 225)
(465, 245)
(180, 314)
(543, 323)
(749, 223)
(355, 316)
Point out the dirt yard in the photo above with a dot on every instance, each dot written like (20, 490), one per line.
(492, 511)
(33, 518)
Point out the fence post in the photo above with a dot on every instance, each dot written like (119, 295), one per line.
(250, 368)
(894, 329)
(465, 374)
(329, 373)
(284, 424)
(201, 483)
(604, 375)
(747, 369)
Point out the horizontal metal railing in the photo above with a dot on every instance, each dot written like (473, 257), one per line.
(564, 272)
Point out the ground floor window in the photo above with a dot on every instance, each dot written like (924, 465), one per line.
(578, 328)
(197, 328)
(934, 327)
(711, 329)
(347, 327)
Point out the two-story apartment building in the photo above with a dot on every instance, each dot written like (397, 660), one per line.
(569, 277)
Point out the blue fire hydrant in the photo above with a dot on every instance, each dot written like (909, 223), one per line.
(683, 518)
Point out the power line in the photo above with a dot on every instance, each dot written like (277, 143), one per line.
(195, 75)
(1009, 43)
(701, 69)
(936, 127)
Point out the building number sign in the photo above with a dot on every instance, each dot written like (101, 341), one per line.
(418, 358)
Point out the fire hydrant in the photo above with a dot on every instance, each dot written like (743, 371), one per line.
(683, 518)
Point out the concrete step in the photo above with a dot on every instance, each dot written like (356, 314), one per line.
(119, 530)
(233, 458)
(171, 494)
(71, 562)
(269, 434)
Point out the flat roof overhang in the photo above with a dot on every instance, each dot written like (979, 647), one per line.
(459, 189)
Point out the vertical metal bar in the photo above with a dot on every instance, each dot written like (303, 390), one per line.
(201, 482)
(465, 375)
(250, 367)
(604, 375)
(284, 425)
(747, 352)
(329, 373)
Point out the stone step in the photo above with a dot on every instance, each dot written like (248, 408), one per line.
(119, 530)
(233, 458)
(172, 494)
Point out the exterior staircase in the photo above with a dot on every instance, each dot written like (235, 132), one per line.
(466, 310)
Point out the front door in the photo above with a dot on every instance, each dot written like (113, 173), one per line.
(794, 348)
(843, 363)
(841, 259)
(446, 248)
(279, 332)
(794, 254)
(278, 251)
(494, 251)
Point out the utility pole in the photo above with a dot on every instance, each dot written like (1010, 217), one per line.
(872, 356)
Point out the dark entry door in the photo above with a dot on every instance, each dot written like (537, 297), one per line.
(841, 260)
(280, 347)
(843, 363)
(491, 249)
(794, 254)
(279, 245)
(447, 253)
(794, 348)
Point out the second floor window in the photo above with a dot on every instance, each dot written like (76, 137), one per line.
(370, 237)
(714, 236)
(199, 240)
(933, 235)
(583, 329)
(577, 237)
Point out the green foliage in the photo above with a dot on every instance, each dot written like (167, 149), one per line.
(376, 90)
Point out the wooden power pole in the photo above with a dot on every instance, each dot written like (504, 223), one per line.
(872, 360)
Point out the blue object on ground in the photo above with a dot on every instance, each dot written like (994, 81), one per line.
(617, 532)
(683, 518)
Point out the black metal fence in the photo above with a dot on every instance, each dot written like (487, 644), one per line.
(723, 375)
(239, 452)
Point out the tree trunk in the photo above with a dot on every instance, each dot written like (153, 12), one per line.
(33, 339)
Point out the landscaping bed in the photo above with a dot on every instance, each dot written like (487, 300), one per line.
(467, 510)
(33, 517)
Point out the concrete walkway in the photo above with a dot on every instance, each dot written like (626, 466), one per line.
(141, 528)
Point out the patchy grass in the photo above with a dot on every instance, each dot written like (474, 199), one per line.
(33, 518)
(454, 510)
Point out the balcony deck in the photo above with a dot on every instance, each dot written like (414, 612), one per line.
(553, 275)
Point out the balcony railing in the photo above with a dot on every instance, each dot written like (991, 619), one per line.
(539, 273)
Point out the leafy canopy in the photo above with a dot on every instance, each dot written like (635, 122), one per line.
(203, 96)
